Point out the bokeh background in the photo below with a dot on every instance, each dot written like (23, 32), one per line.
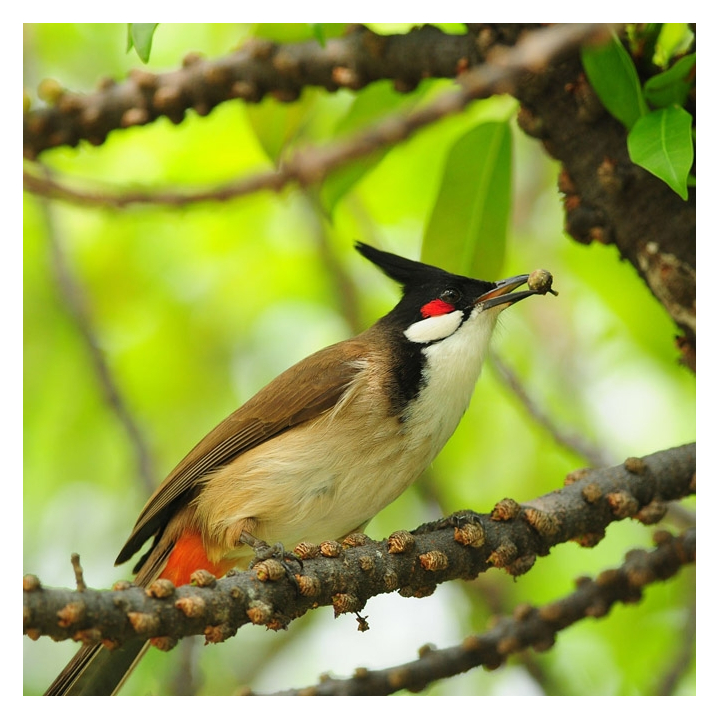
(196, 307)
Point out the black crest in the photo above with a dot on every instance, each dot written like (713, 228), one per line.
(409, 273)
(422, 283)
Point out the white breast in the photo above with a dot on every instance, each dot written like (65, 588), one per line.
(452, 369)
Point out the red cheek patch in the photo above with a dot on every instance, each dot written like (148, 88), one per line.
(436, 307)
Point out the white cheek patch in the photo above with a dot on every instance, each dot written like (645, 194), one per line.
(434, 328)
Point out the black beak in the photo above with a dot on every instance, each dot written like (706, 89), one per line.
(502, 293)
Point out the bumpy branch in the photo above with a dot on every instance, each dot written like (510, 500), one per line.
(528, 627)
(312, 164)
(346, 576)
(260, 67)
(609, 199)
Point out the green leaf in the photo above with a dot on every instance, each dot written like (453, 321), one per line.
(612, 73)
(661, 142)
(140, 36)
(674, 38)
(672, 86)
(467, 230)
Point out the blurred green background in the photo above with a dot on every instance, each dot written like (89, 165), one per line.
(196, 307)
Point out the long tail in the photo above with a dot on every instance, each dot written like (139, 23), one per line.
(95, 670)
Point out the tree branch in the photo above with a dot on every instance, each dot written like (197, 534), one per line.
(609, 199)
(310, 165)
(260, 67)
(529, 627)
(458, 547)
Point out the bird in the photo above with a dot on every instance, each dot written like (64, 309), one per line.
(322, 448)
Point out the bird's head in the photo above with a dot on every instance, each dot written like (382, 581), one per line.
(437, 304)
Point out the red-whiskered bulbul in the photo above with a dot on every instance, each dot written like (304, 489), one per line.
(321, 449)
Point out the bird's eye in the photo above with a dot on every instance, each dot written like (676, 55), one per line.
(451, 295)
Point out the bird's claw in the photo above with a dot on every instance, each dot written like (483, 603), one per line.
(263, 552)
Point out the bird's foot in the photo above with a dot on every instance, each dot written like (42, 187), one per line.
(264, 552)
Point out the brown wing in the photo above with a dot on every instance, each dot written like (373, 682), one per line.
(301, 393)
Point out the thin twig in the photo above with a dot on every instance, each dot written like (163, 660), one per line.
(78, 309)
(79, 576)
(571, 440)
(685, 655)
